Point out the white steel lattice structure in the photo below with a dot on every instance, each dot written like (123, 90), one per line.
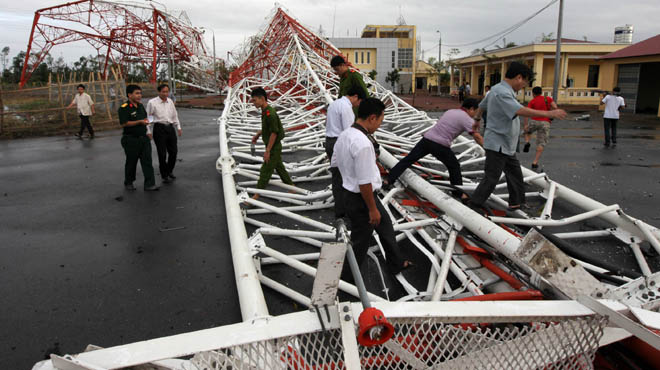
(478, 304)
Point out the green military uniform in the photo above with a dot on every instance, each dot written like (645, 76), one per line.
(270, 123)
(136, 144)
(350, 79)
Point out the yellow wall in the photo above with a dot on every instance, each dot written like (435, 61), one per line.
(578, 70)
(349, 54)
(609, 80)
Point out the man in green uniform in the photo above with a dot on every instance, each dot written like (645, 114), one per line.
(348, 77)
(134, 140)
(273, 133)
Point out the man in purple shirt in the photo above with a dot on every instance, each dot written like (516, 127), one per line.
(438, 139)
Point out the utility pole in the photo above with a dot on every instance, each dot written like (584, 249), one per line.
(215, 69)
(439, 57)
(555, 85)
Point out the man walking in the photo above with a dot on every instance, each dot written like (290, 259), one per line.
(461, 93)
(273, 134)
(540, 125)
(355, 156)
(437, 141)
(85, 106)
(502, 134)
(339, 118)
(134, 139)
(613, 103)
(165, 121)
(348, 77)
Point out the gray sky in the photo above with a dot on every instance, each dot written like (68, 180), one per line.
(459, 21)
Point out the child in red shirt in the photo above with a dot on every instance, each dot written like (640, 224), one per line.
(540, 125)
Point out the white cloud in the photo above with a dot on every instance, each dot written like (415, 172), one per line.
(459, 21)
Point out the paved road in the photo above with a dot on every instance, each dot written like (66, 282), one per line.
(79, 266)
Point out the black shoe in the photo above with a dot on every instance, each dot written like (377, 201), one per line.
(613, 144)
(171, 176)
(607, 145)
(535, 166)
(166, 180)
(151, 188)
(129, 187)
(79, 136)
(526, 147)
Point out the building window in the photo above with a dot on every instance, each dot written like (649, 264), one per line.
(356, 57)
(393, 56)
(362, 57)
(405, 58)
(368, 57)
(592, 80)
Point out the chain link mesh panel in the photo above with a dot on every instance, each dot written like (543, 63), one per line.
(422, 343)
(429, 343)
(306, 351)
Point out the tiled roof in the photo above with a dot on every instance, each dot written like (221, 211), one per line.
(647, 47)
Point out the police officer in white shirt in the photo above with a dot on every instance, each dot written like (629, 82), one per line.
(339, 118)
(355, 156)
(163, 120)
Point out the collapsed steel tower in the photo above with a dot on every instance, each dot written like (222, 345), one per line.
(498, 292)
(124, 33)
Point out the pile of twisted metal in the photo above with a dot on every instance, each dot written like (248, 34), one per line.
(507, 290)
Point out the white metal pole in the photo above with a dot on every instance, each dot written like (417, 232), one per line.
(250, 295)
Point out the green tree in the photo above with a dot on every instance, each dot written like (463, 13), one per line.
(17, 67)
(546, 37)
(393, 77)
(372, 74)
(4, 57)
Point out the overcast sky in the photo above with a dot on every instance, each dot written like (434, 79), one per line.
(459, 21)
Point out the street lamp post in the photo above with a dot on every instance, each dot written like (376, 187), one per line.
(439, 57)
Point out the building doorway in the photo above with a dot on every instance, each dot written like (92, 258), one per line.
(639, 88)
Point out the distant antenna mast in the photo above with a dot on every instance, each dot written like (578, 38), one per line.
(334, 17)
(400, 21)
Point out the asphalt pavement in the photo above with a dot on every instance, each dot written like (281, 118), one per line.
(84, 262)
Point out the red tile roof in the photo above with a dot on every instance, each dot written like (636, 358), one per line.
(647, 47)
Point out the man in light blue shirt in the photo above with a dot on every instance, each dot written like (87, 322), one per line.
(502, 133)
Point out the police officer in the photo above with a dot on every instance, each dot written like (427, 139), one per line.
(134, 140)
(355, 156)
(273, 133)
(348, 77)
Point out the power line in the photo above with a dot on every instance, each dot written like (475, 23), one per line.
(500, 34)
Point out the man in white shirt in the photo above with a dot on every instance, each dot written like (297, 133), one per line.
(339, 118)
(85, 106)
(611, 116)
(468, 89)
(163, 120)
(355, 156)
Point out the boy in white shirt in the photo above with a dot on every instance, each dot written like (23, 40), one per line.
(613, 103)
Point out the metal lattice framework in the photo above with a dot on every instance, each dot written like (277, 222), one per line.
(489, 272)
(123, 33)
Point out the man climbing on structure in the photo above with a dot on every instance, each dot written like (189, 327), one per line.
(273, 133)
(348, 77)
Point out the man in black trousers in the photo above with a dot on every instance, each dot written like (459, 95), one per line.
(164, 128)
(355, 156)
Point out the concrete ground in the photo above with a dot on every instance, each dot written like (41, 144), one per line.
(85, 262)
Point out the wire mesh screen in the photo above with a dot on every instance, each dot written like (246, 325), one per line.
(427, 343)
(319, 350)
(423, 343)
